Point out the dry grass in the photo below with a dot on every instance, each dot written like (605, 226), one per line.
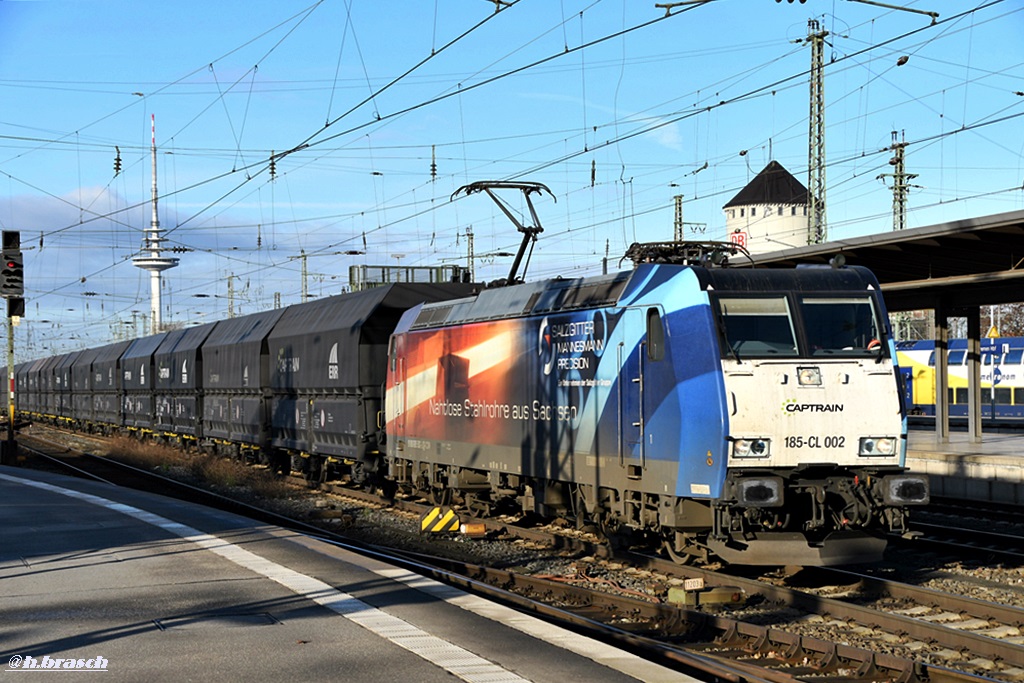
(217, 472)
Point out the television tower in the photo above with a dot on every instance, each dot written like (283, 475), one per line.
(150, 258)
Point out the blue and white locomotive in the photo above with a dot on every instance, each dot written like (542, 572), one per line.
(750, 415)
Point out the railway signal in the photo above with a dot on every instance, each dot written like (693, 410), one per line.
(12, 275)
(12, 287)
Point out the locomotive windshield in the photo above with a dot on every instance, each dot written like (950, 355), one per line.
(757, 326)
(798, 325)
(840, 325)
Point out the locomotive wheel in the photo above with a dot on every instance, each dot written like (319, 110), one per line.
(678, 558)
(606, 526)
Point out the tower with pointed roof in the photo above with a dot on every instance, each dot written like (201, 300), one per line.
(770, 213)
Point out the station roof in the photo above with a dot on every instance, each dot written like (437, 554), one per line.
(965, 263)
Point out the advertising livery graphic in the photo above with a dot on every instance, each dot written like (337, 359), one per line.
(506, 381)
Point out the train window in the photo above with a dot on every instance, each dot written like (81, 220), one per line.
(655, 335)
(956, 357)
(1018, 396)
(960, 395)
(1013, 357)
(761, 326)
(841, 325)
(1003, 396)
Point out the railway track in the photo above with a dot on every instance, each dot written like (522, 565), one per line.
(991, 528)
(886, 616)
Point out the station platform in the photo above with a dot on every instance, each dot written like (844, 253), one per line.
(142, 587)
(990, 470)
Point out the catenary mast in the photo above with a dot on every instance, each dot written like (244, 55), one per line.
(150, 258)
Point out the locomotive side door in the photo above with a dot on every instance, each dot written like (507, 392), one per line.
(395, 395)
(631, 356)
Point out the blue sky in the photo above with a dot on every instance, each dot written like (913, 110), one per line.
(650, 107)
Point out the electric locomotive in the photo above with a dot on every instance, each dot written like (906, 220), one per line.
(751, 415)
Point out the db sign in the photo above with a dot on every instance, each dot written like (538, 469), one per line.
(739, 238)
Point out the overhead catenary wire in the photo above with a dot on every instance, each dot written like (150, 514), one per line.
(397, 218)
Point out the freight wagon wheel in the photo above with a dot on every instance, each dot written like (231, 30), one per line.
(479, 505)
(388, 488)
(441, 497)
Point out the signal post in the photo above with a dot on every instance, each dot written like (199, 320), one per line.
(12, 288)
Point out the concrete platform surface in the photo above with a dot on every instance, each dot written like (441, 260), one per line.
(989, 470)
(145, 588)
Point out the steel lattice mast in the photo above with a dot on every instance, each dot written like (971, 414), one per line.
(816, 226)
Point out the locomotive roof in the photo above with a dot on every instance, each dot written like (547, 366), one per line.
(535, 298)
(526, 299)
(800, 279)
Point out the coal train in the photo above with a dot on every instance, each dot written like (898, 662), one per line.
(749, 415)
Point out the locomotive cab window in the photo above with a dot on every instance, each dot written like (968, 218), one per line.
(844, 326)
(655, 335)
(756, 326)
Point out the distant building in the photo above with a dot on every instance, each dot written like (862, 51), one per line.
(770, 213)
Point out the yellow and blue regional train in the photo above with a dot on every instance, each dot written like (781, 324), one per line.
(1002, 377)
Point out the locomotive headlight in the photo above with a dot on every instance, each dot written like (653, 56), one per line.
(877, 446)
(759, 492)
(808, 377)
(905, 489)
(751, 448)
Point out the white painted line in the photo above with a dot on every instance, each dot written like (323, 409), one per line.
(456, 660)
(594, 650)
